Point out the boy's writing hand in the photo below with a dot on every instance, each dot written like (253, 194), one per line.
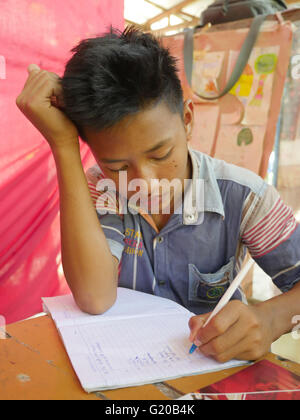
(42, 103)
(238, 331)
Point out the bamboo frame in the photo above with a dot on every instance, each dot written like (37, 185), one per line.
(175, 10)
(188, 19)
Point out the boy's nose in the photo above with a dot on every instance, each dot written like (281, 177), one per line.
(147, 175)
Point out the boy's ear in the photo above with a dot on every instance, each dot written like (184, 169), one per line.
(189, 118)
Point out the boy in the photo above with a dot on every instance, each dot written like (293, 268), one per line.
(122, 95)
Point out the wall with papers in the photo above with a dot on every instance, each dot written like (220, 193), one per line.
(241, 127)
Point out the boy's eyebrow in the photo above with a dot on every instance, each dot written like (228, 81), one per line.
(159, 145)
(153, 149)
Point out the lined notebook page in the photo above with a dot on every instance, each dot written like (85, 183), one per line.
(121, 353)
(130, 303)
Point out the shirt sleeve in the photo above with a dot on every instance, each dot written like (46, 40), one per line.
(112, 223)
(272, 235)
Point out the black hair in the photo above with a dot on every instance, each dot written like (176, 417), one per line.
(118, 74)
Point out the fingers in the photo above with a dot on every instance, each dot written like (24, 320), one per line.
(221, 323)
(35, 73)
(232, 353)
(252, 355)
(226, 345)
(243, 350)
(42, 84)
(33, 67)
(195, 324)
(31, 76)
(57, 92)
(35, 86)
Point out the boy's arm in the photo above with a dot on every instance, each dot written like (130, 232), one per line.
(90, 269)
(272, 236)
(282, 311)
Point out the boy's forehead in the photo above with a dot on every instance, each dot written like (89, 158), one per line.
(143, 130)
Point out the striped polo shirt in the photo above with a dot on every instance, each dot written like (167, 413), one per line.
(197, 254)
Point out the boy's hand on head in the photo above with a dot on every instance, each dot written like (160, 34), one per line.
(237, 332)
(42, 103)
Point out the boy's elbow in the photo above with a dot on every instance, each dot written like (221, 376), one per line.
(90, 308)
(95, 306)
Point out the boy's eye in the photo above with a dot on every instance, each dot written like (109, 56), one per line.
(154, 158)
(118, 170)
(164, 157)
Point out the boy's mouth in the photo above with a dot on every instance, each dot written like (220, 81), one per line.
(155, 199)
(161, 200)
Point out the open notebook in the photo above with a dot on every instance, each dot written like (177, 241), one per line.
(142, 339)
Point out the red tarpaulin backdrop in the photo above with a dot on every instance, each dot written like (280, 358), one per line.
(41, 32)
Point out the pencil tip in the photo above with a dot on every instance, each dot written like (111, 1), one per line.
(192, 349)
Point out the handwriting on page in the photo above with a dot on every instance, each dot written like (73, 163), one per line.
(111, 351)
(99, 362)
(114, 346)
(166, 356)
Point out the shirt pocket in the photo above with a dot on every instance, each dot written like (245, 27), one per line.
(209, 288)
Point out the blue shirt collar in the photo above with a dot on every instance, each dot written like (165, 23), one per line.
(203, 194)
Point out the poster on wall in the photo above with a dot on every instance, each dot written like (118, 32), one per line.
(206, 72)
(255, 87)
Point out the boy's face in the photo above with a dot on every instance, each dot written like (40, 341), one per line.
(151, 144)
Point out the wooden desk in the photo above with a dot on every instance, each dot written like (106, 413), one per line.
(34, 365)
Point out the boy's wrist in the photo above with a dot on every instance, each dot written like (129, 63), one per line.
(280, 311)
(69, 150)
(266, 311)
